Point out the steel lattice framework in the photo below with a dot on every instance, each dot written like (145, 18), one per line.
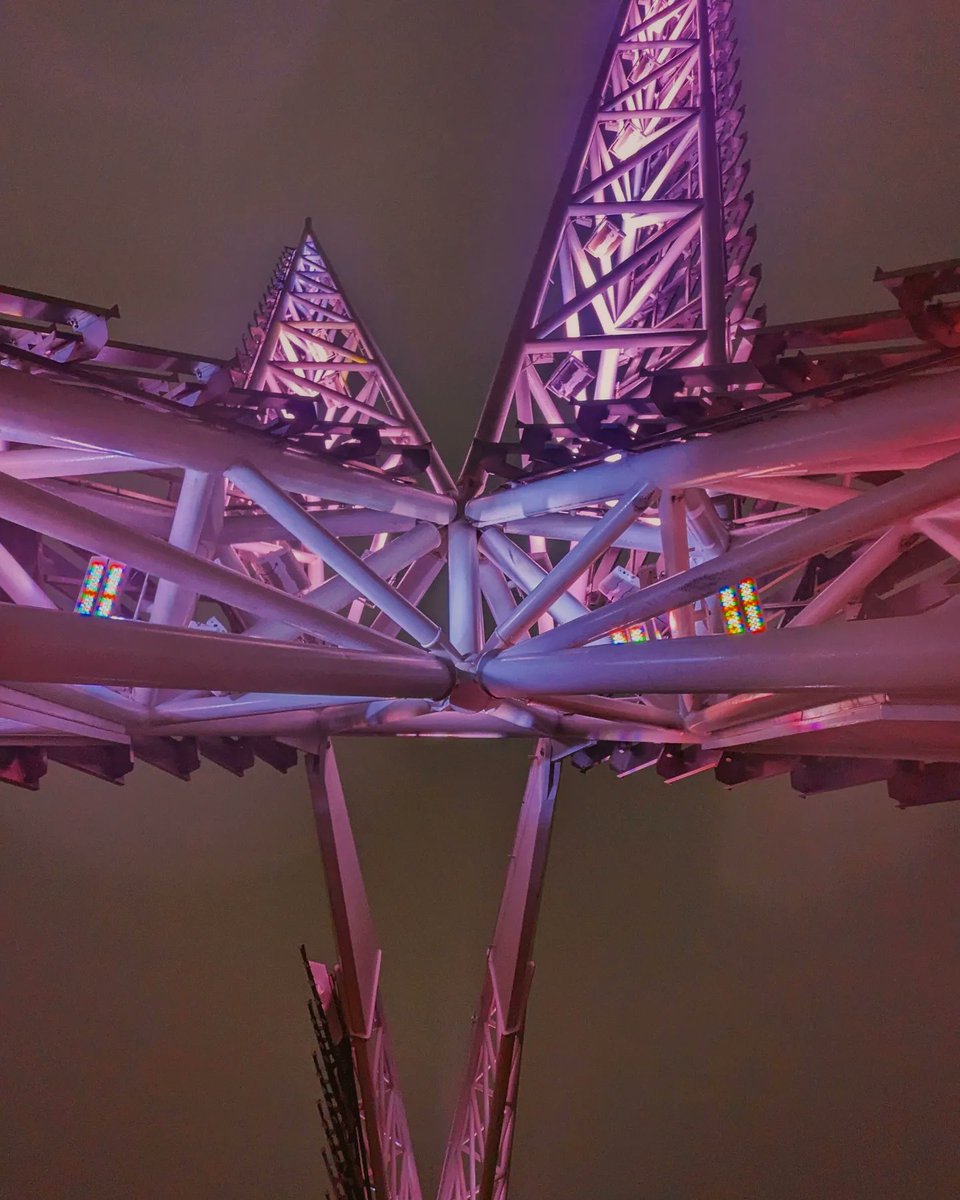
(681, 539)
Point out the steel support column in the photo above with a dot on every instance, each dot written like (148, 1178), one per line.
(477, 1161)
(389, 1150)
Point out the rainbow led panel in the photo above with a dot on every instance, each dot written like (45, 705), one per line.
(630, 633)
(101, 586)
(742, 612)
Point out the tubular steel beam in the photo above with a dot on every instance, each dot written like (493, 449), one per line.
(899, 500)
(918, 412)
(349, 566)
(40, 646)
(39, 409)
(556, 583)
(65, 463)
(477, 1161)
(35, 509)
(333, 595)
(521, 570)
(911, 655)
(173, 605)
(387, 1137)
(463, 574)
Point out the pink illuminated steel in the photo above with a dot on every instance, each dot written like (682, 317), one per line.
(652, 461)
(477, 1163)
(393, 1171)
(642, 270)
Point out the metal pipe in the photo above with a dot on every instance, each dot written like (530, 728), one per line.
(737, 711)
(676, 555)
(95, 700)
(569, 528)
(574, 563)
(336, 555)
(172, 604)
(33, 407)
(710, 535)
(335, 594)
(446, 723)
(293, 723)
(901, 654)
(19, 584)
(415, 584)
(56, 463)
(850, 583)
(805, 493)
(29, 506)
(940, 534)
(253, 704)
(603, 708)
(914, 412)
(463, 578)
(347, 522)
(50, 647)
(495, 591)
(153, 517)
(50, 714)
(896, 501)
(525, 573)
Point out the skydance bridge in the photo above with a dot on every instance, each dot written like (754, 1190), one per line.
(682, 540)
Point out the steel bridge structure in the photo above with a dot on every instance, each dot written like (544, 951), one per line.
(682, 539)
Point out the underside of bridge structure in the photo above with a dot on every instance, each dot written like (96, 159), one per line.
(682, 539)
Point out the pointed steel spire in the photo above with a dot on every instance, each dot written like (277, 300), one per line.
(641, 268)
(307, 347)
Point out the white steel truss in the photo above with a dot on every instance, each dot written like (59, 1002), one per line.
(681, 540)
(641, 281)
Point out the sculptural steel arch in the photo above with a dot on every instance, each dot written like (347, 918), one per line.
(281, 521)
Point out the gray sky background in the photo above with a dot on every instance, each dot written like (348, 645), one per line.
(738, 995)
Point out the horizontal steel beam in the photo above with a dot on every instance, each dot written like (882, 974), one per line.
(900, 655)
(33, 408)
(50, 647)
(874, 510)
(29, 506)
(917, 412)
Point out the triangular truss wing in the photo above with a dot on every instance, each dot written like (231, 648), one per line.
(639, 290)
(156, 488)
(268, 530)
(308, 349)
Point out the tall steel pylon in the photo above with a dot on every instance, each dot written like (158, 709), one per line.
(681, 539)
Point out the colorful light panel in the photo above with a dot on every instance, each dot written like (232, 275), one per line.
(101, 586)
(742, 611)
(629, 633)
(90, 587)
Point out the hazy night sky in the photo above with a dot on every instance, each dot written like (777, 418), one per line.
(739, 995)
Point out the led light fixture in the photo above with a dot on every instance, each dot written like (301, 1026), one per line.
(605, 239)
(101, 585)
(570, 377)
(629, 633)
(742, 612)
